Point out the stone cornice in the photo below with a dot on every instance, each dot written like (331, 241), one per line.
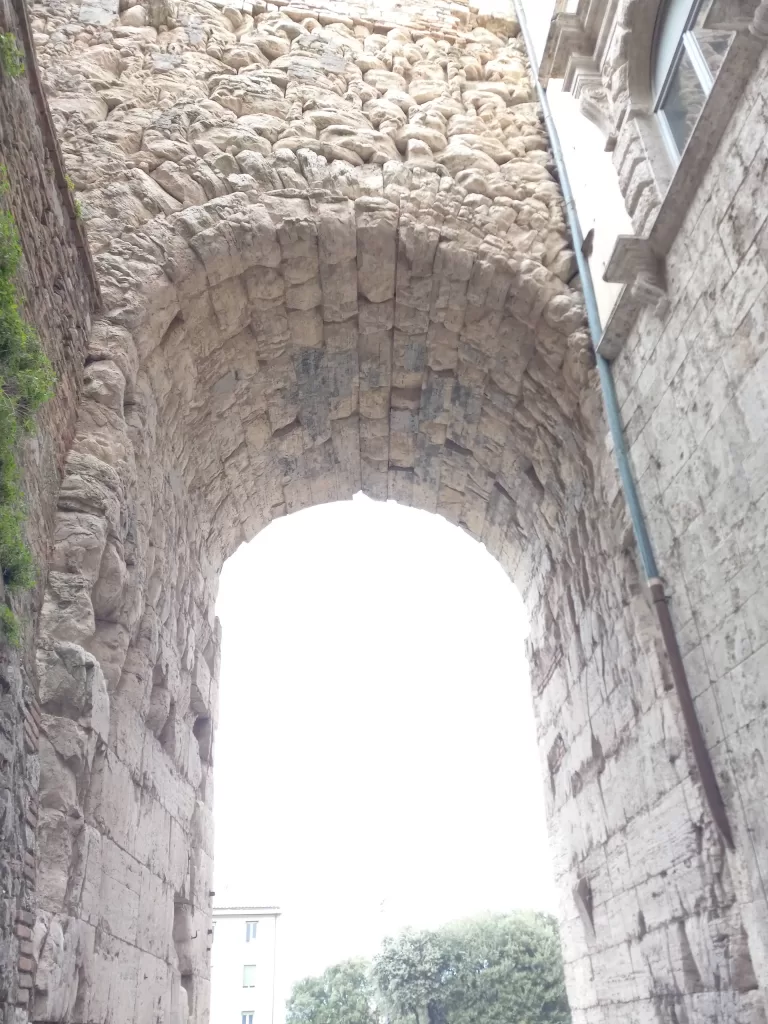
(581, 71)
(580, 33)
(635, 264)
(566, 37)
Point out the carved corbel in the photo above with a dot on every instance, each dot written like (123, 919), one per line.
(634, 263)
(584, 81)
(596, 107)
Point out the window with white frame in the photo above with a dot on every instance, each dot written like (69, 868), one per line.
(686, 59)
(250, 930)
(249, 976)
(246, 1017)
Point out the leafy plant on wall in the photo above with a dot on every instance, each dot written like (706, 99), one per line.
(26, 381)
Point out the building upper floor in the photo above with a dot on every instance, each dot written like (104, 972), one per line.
(243, 961)
(658, 80)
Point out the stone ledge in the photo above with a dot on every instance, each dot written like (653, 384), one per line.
(634, 264)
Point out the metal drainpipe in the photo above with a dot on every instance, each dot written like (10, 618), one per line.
(655, 584)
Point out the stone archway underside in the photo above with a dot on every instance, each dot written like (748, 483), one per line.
(333, 257)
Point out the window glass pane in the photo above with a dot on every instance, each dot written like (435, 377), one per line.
(713, 45)
(683, 102)
(674, 17)
(250, 930)
(249, 976)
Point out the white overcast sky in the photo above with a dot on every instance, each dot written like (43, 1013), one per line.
(375, 762)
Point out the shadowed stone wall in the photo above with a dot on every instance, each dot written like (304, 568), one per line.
(333, 257)
(57, 290)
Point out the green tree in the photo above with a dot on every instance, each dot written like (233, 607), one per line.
(497, 969)
(343, 994)
(412, 974)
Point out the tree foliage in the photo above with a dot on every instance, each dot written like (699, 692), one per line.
(496, 969)
(341, 995)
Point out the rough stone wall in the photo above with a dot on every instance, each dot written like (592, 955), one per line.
(58, 292)
(333, 256)
(694, 390)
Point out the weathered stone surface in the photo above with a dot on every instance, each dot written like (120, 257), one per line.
(688, 336)
(256, 188)
(56, 293)
(333, 256)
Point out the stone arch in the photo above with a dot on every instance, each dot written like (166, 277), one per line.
(333, 257)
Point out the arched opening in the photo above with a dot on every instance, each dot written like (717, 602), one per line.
(205, 414)
(376, 761)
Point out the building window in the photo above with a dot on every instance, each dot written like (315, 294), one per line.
(246, 1017)
(250, 930)
(686, 60)
(249, 976)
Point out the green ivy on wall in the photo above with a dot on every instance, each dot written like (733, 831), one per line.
(11, 57)
(26, 381)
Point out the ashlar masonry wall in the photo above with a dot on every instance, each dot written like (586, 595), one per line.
(687, 337)
(694, 391)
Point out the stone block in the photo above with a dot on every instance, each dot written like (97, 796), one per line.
(112, 802)
(72, 684)
(114, 980)
(665, 835)
(119, 906)
(64, 953)
(55, 850)
(155, 916)
(617, 978)
(85, 878)
(741, 291)
(154, 988)
(99, 12)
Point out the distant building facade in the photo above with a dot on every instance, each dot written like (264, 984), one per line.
(243, 959)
